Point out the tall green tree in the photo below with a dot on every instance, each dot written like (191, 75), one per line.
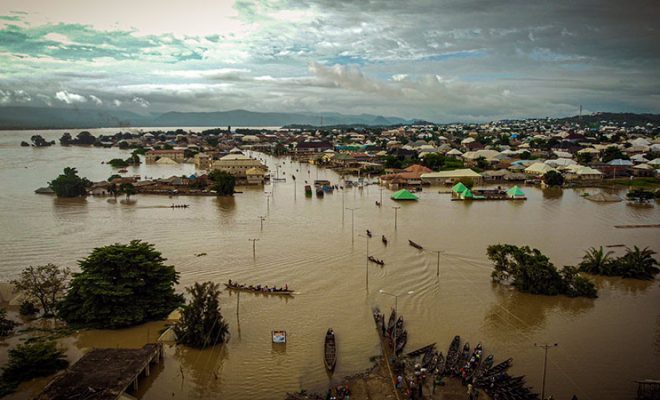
(69, 184)
(45, 284)
(121, 285)
(223, 182)
(128, 189)
(201, 322)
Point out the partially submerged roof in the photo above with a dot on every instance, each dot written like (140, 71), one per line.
(515, 192)
(403, 194)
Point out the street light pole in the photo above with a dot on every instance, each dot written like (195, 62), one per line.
(352, 223)
(396, 208)
(545, 347)
(254, 247)
(396, 312)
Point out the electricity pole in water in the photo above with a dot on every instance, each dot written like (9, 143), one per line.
(352, 223)
(545, 347)
(262, 218)
(396, 208)
(254, 247)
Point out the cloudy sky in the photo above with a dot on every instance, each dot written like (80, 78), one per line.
(442, 60)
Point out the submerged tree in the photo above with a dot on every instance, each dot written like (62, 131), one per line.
(6, 325)
(201, 324)
(598, 262)
(638, 263)
(531, 271)
(31, 360)
(128, 189)
(121, 285)
(69, 184)
(223, 182)
(553, 178)
(45, 284)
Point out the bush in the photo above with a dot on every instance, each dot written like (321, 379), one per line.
(201, 324)
(31, 360)
(28, 309)
(6, 325)
(223, 182)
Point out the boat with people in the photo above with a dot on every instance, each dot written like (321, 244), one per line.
(369, 233)
(376, 261)
(281, 291)
(330, 351)
(415, 245)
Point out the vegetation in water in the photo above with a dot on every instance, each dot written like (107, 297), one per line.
(201, 324)
(31, 360)
(553, 178)
(531, 271)
(636, 263)
(223, 182)
(118, 163)
(6, 325)
(69, 184)
(640, 195)
(44, 284)
(121, 285)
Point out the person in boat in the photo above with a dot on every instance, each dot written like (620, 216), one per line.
(286, 287)
(230, 283)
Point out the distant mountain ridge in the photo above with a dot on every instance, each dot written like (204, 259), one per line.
(17, 117)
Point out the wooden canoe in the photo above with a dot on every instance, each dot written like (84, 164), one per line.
(330, 351)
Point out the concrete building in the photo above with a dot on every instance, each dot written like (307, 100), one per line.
(154, 155)
(237, 165)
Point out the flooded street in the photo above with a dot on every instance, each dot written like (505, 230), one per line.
(604, 344)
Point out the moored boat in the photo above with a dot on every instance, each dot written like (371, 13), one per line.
(330, 351)
(376, 261)
(452, 353)
(401, 340)
(415, 245)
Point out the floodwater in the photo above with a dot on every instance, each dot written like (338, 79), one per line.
(604, 344)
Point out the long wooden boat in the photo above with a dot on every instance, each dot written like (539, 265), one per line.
(401, 340)
(428, 357)
(379, 318)
(421, 350)
(415, 245)
(398, 327)
(453, 353)
(330, 351)
(499, 368)
(391, 322)
(375, 260)
(259, 289)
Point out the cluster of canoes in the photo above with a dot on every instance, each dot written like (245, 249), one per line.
(473, 368)
(265, 289)
(393, 330)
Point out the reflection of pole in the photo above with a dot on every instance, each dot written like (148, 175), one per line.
(268, 201)
(238, 301)
(254, 247)
(262, 218)
(367, 265)
(396, 208)
(381, 197)
(437, 273)
(352, 223)
(545, 347)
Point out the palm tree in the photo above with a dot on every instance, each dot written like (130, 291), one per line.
(638, 263)
(597, 262)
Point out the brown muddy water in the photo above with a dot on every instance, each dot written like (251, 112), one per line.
(604, 344)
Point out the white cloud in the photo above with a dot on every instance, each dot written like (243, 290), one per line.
(70, 98)
(140, 101)
(96, 100)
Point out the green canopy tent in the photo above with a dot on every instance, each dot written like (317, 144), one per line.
(403, 194)
(515, 193)
(459, 188)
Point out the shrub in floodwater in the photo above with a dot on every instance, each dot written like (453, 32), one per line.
(6, 325)
(201, 324)
(28, 309)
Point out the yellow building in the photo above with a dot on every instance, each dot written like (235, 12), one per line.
(237, 165)
(154, 155)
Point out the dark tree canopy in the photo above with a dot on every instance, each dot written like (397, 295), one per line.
(201, 324)
(553, 178)
(223, 182)
(118, 163)
(31, 360)
(121, 285)
(69, 184)
(45, 284)
(6, 325)
(531, 271)
(636, 263)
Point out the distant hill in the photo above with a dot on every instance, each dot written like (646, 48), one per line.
(47, 117)
(630, 119)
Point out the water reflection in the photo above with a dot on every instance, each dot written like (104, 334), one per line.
(553, 193)
(528, 313)
(626, 286)
(203, 368)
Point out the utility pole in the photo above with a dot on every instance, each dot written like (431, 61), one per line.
(254, 247)
(545, 347)
(352, 223)
(396, 208)
(437, 273)
(262, 218)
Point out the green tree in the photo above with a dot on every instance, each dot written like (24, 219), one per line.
(482, 163)
(640, 195)
(585, 158)
(223, 182)
(121, 285)
(128, 189)
(6, 325)
(69, 184)
(45, 284)
(39, 141)
(85, 138)
(638, 264)
(118, 163)
(31, 360)
(113, 176)
(434, 161)
(553, 178)
(28, 309)
(201, 322)
(65, 140)
(280, 149)
(598, 262)
(212, 141)
(613, 153)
